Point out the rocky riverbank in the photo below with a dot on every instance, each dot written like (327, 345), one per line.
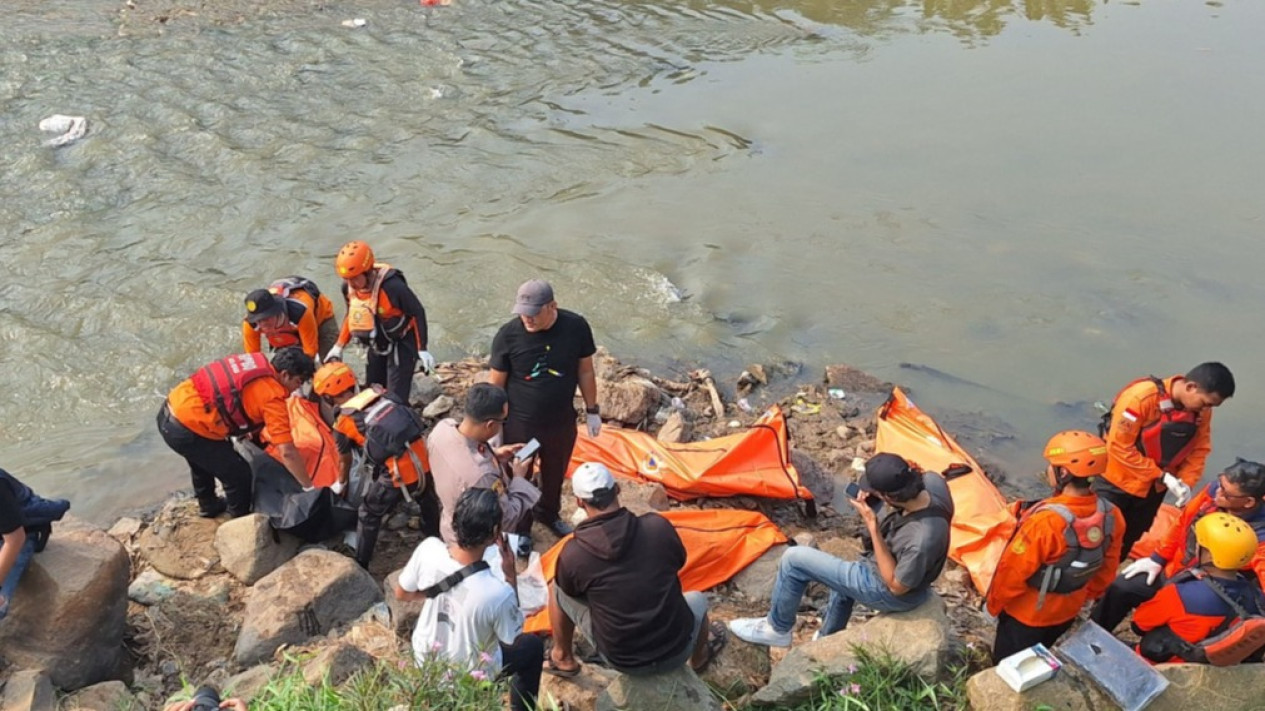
(166, 598)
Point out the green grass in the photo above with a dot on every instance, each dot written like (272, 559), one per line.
(877, 682)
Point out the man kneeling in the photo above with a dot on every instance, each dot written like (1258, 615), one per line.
(905, 552)
(470, 615)
(617, 581)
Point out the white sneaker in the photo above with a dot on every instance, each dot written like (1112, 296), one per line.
(757, 630)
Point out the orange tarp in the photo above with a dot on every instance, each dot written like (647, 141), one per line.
(719, 543)
(1150, 541)
(752, 463)
(313, 439)
(982, 523)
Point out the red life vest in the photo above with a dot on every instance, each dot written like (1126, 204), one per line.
(220, 384)
(1168, 440)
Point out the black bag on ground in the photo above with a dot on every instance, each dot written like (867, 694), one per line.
(312, 516)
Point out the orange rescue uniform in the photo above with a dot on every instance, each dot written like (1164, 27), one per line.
(1040, 540)
(1137, 408)
(1178, 551)
(263, 401)
(306, 332)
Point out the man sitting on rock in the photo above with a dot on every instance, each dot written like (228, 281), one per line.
(616, 580)
(462, 457)
(25, 523)
(471, 616)
(905, 552)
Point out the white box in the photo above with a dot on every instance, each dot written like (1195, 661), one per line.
(1024, 670)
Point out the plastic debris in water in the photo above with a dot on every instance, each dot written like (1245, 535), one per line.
(837, 393)
(357, 22)
(735, 423)
(744, 405)
(71, 128)
(803, 407)
(432, 3)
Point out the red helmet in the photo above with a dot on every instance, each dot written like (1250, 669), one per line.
(354, 259)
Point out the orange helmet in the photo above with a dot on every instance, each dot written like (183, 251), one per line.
(333, 379)
(1078, 453)
(354, 259)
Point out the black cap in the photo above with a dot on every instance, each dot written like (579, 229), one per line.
(887, 473)
(261, 304)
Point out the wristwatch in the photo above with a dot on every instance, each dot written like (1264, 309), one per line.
(593, 410)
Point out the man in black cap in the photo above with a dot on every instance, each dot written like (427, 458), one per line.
(539, 358)
(286, 322)
(905, 551)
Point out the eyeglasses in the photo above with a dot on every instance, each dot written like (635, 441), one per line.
(1243, 498)
(498, 420)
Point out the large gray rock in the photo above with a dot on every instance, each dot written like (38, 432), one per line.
(643, 497)
(919, 638)
(1198, 686)
(306, 597)
(180, 545)
(680, 690)
(425, 390)
(1067, 691)
(249, 547)
(106, 696)
(577, 692)
(337, 663)
(28, 691)
(630, 400)
(403, 613)
(755, 582)
(676, 429)
(438, 407)
(69, 612)
(247, 685)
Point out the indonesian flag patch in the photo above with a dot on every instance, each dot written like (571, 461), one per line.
(1130, 415)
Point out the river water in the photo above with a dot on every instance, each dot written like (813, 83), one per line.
(1040, 199)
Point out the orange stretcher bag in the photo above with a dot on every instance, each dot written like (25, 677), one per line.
(752, 463)
(719, 544)
(313, 439)
(982, 522)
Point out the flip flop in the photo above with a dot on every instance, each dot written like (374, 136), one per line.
(716, 638)
(555, 670)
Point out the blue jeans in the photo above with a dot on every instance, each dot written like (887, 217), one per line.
(849, 581)
(10, 584)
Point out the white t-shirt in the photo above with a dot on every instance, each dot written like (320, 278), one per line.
(468, 620)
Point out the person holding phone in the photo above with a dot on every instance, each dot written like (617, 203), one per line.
(463, 456)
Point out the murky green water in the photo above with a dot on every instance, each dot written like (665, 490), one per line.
(1044, 198)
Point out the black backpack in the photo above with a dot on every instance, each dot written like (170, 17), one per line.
(390, 427)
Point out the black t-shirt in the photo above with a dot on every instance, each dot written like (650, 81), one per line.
(10, 513)
(543, 367)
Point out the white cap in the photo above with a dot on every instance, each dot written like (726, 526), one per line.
(590, 478)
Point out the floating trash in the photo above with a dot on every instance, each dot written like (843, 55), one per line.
(837, 393)
(71, 128)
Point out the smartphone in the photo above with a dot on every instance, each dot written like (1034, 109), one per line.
(853, 490)
(528, 450)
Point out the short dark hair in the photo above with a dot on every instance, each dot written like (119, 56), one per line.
(1213, 378)
(1248, 476)
(294, 361)
(476, 516)
(485, 401)
(603, 497)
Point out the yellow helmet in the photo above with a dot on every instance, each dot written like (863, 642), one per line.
(1229, 540)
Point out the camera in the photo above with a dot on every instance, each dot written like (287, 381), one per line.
(206, 698)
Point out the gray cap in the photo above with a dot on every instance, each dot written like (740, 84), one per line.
(532, 297)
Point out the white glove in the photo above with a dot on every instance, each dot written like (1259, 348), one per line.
(427, 360)
(1180, 491)
(595, 424)
(1143, 565)
(335, 353)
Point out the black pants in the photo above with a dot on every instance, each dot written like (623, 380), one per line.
(1122, 597)
(1139, 513)
(394, 370)
(522, 662)
(556, 443)
(209, 460)
(380, 498)
(1013, 636)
